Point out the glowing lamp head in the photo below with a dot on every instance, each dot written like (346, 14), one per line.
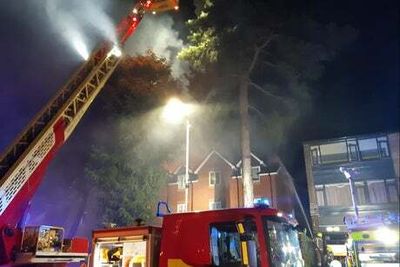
(176, 7)
(279, 214)
(175, 111)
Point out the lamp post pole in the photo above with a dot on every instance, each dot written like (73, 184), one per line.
(187, 165)
(352, 189)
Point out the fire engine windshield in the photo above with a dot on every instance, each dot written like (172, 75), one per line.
(283, 243)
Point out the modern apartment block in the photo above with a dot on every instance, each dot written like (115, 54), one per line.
(216, 183)
(373, 161)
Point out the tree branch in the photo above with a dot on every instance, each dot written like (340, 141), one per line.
(257, 53)
(265, 91)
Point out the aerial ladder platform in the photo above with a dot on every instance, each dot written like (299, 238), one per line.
(24, 163)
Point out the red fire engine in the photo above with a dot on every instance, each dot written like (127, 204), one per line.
(25, 161)
(239, 237)
(256, 237)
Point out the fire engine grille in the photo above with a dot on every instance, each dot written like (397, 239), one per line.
(20, 175)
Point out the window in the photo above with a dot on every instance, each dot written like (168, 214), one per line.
(361, 193)
(214, 205)
(181, 208)
(383, 147)
(338, 195)
(315, 155)
(334, 152)
(181, 181)
(283, 244)
(352, 150)
(392, 190)
(214, 178)
(368, 148)
(319, 189)
(226, 244)
(255, 173)
(377, 192)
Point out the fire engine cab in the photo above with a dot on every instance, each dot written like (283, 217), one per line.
(232, 237)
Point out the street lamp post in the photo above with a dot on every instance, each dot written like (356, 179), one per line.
(175, 111)
(187, 165)
(347, 174)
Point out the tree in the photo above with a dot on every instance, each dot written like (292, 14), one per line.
(271, 48)
(125, 161)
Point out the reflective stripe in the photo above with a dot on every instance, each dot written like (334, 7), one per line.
(177, 263)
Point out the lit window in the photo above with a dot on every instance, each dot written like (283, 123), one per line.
(338, 195)
(335, 152)
(214, 178)
(368, 148)
(255, 173)
(181, 208)
(214, 205)
(377, 192)
(181, 181)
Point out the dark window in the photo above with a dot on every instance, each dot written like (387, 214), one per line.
(383, 147)
(214, 178)
(315, 156)
(255, 173)
(353, 151)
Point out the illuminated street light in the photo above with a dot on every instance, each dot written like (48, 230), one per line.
(175, 112)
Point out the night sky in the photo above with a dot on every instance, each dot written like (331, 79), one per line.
(358, 94)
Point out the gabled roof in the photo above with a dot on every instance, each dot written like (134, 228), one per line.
(209, 156)
(254, 157)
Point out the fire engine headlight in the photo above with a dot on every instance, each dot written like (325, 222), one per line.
(387, 236)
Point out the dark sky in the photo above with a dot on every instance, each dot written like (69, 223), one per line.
(358, 94)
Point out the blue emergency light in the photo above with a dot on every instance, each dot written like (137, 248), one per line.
(261, 202)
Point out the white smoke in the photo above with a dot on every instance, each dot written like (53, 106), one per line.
(77, 21)
(157, 34)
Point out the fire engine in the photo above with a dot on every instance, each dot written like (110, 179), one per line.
(25, 161)
(256, 237)
(238, 237)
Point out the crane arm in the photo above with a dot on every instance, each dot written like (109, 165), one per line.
(23, 164)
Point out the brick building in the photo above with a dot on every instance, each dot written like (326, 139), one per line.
(216, 183)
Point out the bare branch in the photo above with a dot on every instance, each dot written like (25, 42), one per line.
(266, 92)
(257, 53)
(268, 63)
